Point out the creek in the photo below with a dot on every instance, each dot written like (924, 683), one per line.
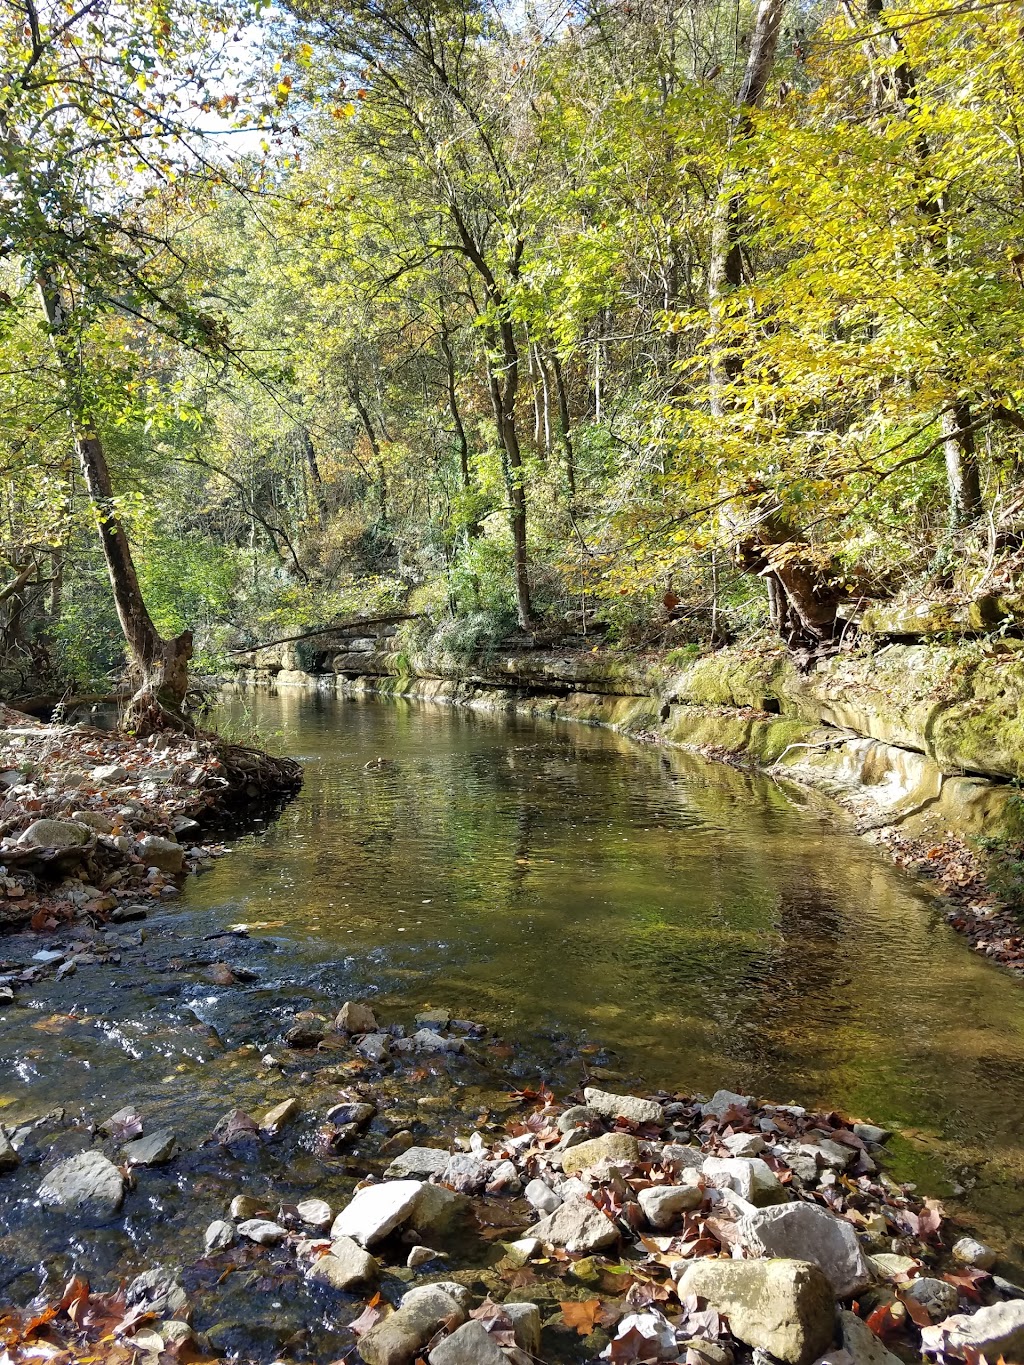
(655, 918)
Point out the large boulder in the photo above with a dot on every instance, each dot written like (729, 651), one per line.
(397, 1340)
(470, 1344)
(783, 1307)
(624, 1106)
(578, 1225)
(995, 1332)
(377, 1210)
(619, 1148)
(809, 1233)
(55, 834)
(87, 1183)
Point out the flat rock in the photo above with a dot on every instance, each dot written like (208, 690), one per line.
(377, 1210)
(836, 1155)
(277, 1118)
(396, 1340)
(809, 1233)
(54, 834)
(619, 1148)
(578, 1226)
(722, 1101)
(613, 1107)
(784, 1307)
(315, 1213)
(993, 1332)
(744, 1144)
(428, 1040)
(662, 1204)
(435, 1019)
(750, 1177)
(466, 1173)
(262, 1230)
(420, 1162)
(94, 820)
(352, 1111)
(355, 1017)
(153, 1150)
(375, 1047)
(345, 1266)
(470, 1344)
(87, 1183)
(109, 775)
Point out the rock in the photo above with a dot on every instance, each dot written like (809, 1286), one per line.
(109, 775)
(375, 1047)
(662, 1204)
(466, 1173)
(305, 1035)
(54, 834)
(355, 1017)
(87, 1183)
(246, 1206)
(675, 1157)
(9, 1158)
(345, 1266)
(420, 1255)
(891, 1267)
(938, 1298)
(869, 1133)
(426, 1040)
(94, 820)
(969, 1251)
(263, 1231)
(526, 1248)
(578, 1226)
(377, 1210)
(419, 1162)
(542, 1197)
(436, 1210)
(809, 1233)
(744, 1144)
(526, 1324)
(750, 1177)
(470, 1344)
(722, 1101)
(156, 1290)
(219, 1234)
(619, 1148)
(396, 1340)
(6, 995)
(624, 1106)
(784, 1307)
(993, 1332)
(858, 1345)
(277, 1118)
(836, 1155)
(125, 914)
(151, 1151)
(351, 1112)
(434, 1019)
(235, 1125)
(175, 1332)
(165, 854)
(315, 1213)
(577, 1116)
(504, 1179)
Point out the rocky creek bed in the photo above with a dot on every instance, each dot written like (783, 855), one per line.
(397, 1202)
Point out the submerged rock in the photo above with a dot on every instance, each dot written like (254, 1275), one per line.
(154, 1150)
(263, 1231)
(157, 1291)
(345, 1266)
(87, 1183)
(784, 1307)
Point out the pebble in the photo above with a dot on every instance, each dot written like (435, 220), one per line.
(969, 1251)
(219, 1234)
(315, 1213)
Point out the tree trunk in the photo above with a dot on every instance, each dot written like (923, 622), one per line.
(319, 499)
(504, 387)
(159, 667)
(565, 424)
(962, 473)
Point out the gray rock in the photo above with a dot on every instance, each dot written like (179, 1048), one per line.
(675, 1157)
(9, 1158)
(542, 1197)
(352, 1112)
(418, 1162)
(125, 914)
(662, 1204)
(54, 834)
(618, 1148)
(87, 1183)
(94, 820)
(858, 1345)
(470, 1344)
(151, 1151)
(245, 1206)
(377, 1210)
(164, 854)
(722, 1101)
(315, 1213)
(938, 1298)
(577, 1116)
(219, 1234)
(156, 1290)
(426, 1040)
(375, 1047)
(995, 1331)
(578, 1226)
(437, 1210)
(969, 1251)
(809, 1233)
(396, 1340)
(836, 1155)
(434, 1019)
(355, 1017)
(750, 1177)
(612, 1107)
(869, 1133)
(744, 1144)
(783, 1307)
(185, 827)
(467, 1173)
(504, 1179)
(421, 1255)
(109, 775)
(526, 1324)
(345, 1266)
(262, 1230)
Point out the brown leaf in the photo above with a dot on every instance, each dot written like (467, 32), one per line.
(581, 1314)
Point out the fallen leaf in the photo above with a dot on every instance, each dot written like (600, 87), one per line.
(581, 1314)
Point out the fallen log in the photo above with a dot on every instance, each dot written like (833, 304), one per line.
(329, 630)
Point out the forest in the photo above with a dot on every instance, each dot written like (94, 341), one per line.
(667, 323)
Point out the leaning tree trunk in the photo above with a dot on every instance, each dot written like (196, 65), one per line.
(159, 667)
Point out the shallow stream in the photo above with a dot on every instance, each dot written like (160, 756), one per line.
(596, 903)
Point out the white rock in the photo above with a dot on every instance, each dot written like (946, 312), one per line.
(744, 1144)
(995, 1331)
(969, 1251)
(807, 1232)
(542, 1197)
(421, 1255)
(611, 1107)
(578, 1225)
(345, 1266)
(377, 1210)
(219, 1234)
(263, 1231)
(750, 1177)
(662, 1204)
(722, 1101)
(315, 1213)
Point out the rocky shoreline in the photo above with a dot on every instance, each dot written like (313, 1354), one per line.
(595, 1226)
(98, 826)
